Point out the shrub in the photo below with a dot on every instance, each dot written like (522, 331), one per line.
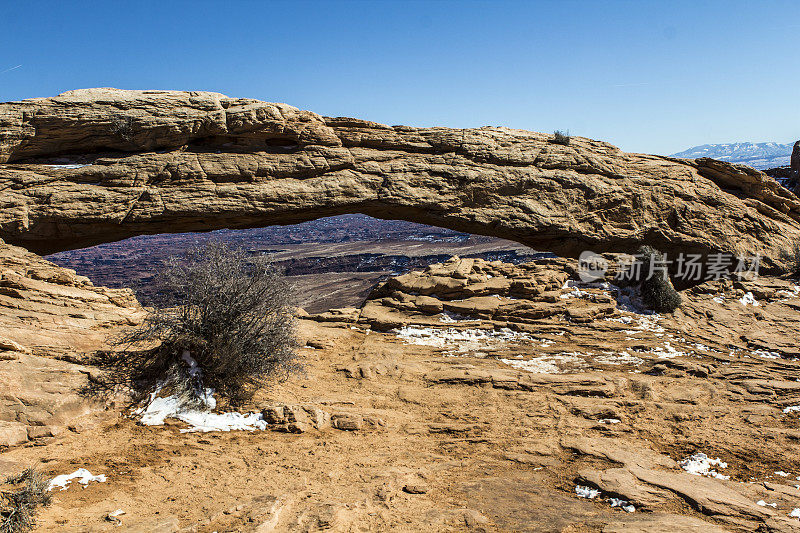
(657, 291)
(792, 257)
(225, 320)
(560, 137)
(18, 503)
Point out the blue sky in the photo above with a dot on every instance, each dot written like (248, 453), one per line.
(653, 77)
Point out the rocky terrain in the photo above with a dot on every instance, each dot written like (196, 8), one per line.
(468, 394)
(474, 394)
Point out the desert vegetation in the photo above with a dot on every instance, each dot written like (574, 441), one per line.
(561, 137)
(657, 290)
(224, 321)
(20, 497)
(792, 256)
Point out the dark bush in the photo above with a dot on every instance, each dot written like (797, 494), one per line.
(792, 257)
(19, 500)
(560, 137)
(224, 320)
(657, 291)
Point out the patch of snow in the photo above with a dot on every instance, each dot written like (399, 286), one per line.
(782, 473)
(700, 464)
(464, 340)
(767, 355)
(546, 364)
(159, 409)
(719, 299)
(576, 292)
(620, 358)
(609, 420)
(795, 513)
(586, 492)
(666, 351)
(794, 293)
(762, 503)
(624, 504)
(194, 369)
(82, 475)
(68, 166)
(792, 409)
(447, 317)
(748, 299)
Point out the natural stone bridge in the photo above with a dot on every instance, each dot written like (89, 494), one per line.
(99, 165)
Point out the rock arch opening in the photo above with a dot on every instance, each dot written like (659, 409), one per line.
(333, 261)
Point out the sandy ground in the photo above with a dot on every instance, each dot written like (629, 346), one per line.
(440, 456)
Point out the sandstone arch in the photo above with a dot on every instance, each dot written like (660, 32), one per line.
(169, 161)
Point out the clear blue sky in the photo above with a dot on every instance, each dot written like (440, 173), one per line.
(648, 76)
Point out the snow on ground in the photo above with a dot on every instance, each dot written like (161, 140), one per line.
(586, 492)
(748, 299)
(792, 409)
(766, 355)
(624, 504)
(794, 293)
(576, 291)
(82, 475)
(666, 351)
(447, 317)
(795, 513)
(546, 364)
(590, 493)
(203, 420)
(640, 323)
(700, 464)
(619, 358)
(628, 298)
(67, 166)
(461, 340)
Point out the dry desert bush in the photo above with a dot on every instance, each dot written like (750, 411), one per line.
(224, 320)
(19, 500)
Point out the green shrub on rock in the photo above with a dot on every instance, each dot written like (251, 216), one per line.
(560, 137)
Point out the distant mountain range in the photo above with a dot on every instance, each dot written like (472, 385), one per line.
(757, 155)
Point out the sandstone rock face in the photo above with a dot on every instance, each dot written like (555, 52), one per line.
(51, 311)
(460, 289)
(47, 313)
(96, 165)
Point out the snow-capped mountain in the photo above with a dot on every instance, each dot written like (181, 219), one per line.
(757, 155)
